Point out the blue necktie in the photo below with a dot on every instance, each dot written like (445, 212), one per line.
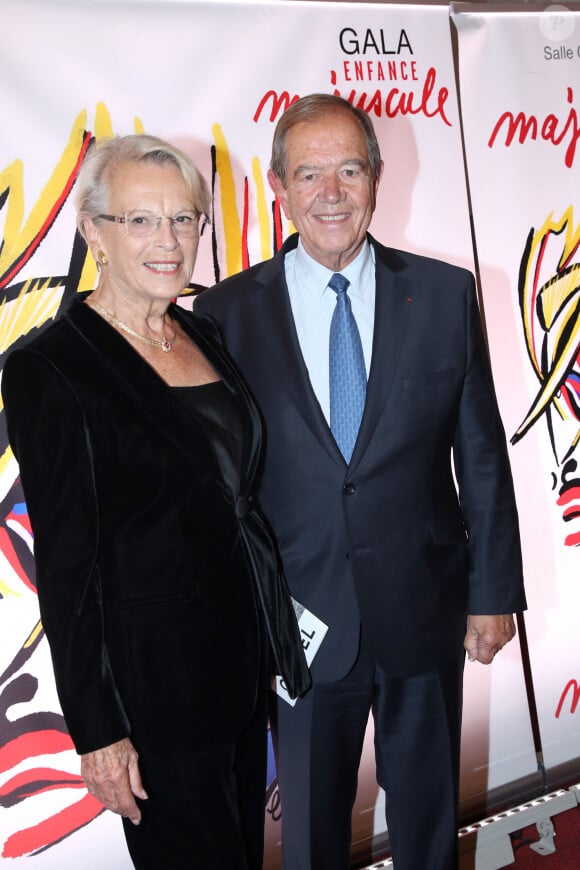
(348, 378)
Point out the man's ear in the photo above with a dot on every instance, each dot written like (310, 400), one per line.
(377, 180)
(279, 191)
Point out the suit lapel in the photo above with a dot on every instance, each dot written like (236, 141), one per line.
(393, 304)
(283, 349)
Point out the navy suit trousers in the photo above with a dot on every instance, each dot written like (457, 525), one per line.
(319, 743)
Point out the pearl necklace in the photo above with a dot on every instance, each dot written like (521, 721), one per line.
(166, 344)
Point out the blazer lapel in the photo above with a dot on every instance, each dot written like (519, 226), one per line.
(393, 304)
(143, 385)
(226, 368)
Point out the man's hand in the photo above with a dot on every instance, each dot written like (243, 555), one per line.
(112, 776)
(486, 635)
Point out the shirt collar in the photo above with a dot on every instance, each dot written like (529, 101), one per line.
(313, 275)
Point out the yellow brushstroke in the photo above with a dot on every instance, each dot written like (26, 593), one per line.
(103, 123)
(264, 217)
(8, 475)
(7, 591)
(559, 301)
(33, 636)
(35, 304)
(230, 217)
(88, 276)
(8, 472)
(571, 239)
(17, 237)
(557, 292)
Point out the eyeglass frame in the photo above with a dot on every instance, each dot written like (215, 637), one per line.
(123, 220)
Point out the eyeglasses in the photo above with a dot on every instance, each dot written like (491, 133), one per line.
(140, 224)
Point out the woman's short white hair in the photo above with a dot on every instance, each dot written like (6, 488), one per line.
(106, 155)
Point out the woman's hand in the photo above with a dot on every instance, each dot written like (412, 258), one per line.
(112, 776)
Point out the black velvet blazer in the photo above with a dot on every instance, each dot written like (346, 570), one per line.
(154, 575)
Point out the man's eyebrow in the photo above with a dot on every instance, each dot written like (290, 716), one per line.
(305, 167)
(351, 161)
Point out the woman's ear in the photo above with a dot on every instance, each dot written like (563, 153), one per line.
(93, 237)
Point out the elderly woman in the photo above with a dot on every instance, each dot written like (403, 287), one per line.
(158, 582)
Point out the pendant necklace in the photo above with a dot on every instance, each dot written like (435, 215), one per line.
(166, 344)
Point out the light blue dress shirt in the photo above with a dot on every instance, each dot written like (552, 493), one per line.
(313, 304)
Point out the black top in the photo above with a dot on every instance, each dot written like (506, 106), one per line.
(218, 411)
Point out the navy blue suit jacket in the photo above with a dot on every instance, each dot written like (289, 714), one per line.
(386, 541)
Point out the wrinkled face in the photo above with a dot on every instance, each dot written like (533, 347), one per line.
(329, 193)
(159, 266)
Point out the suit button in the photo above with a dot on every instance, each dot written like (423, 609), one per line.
(349, 489)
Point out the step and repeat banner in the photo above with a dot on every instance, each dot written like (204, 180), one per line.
(213, 78)
(519, 74)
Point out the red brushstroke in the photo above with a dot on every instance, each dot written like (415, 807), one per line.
(21, 519)
(37, 781)
(31, 744)
(52, 830)
(7, 548)
(277, 225)
(30, 250)
(570, 495)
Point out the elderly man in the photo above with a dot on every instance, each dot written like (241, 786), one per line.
(371, 371)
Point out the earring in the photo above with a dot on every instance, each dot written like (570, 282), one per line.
(102, 258)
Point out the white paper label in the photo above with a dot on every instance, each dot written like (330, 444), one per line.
(312, 633)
